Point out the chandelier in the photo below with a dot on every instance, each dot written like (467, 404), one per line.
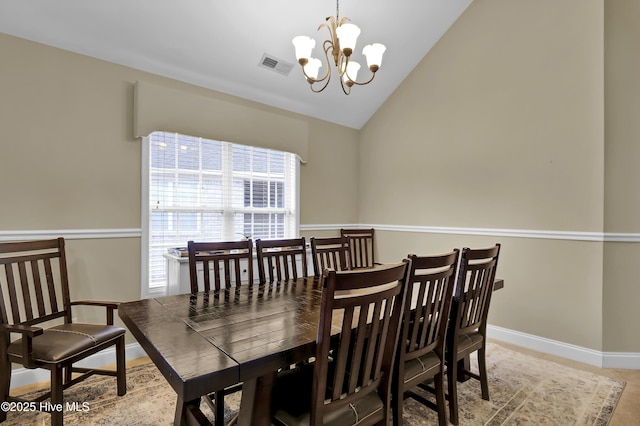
(341, 45)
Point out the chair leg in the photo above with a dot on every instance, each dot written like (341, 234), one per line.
(121, 367)
(57, 374)
(482, 369)
(440, 399)
(397, 401)
(452, 374)
(5, 384)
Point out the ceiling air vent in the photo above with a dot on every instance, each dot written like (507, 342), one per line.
(274, 64)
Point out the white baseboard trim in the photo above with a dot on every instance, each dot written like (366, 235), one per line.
(626, 360)
(24, 376)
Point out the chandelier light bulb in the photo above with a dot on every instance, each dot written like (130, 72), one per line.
(347, 36)
(374, 53)
(303, 45)
(312, 67)
(352, 72)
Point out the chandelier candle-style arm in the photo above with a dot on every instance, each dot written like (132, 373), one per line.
(342, 43)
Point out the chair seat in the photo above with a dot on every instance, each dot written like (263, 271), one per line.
(469, 341)
(293, 402)
(418, 366)
(66, 340)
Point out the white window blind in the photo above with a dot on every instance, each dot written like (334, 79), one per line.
(206, 190)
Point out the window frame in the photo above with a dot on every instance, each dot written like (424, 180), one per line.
(292, 227)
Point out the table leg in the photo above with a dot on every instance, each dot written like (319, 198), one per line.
(188, 414)
(255, 406)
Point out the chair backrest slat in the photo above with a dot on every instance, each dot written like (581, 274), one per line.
(53, 298)
(370, 362)
(278, 259)
(13, 298)
(357, 369)
(26, 293)
(3, 312)
(39, 297)
(206, 273)
(226, 259)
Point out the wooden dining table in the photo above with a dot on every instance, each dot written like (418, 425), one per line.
(206, 341)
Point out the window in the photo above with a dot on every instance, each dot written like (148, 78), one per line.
(206, 190)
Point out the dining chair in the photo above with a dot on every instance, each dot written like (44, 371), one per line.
(350, 381)
(331, 252)
(467, 331)
(278, 260)
(421, 348)
(35, 305)
(223, 264)
(361, 247)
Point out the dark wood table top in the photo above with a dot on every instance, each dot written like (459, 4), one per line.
(188, 362)
(212, 340)
(204, 342)
(260, 328)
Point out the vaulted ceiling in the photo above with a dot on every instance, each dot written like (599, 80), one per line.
(220, 44)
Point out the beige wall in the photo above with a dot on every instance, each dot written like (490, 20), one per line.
(501, 126)
(329, 181)
(621, 290)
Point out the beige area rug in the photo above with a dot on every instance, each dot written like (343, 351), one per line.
(523, 390)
